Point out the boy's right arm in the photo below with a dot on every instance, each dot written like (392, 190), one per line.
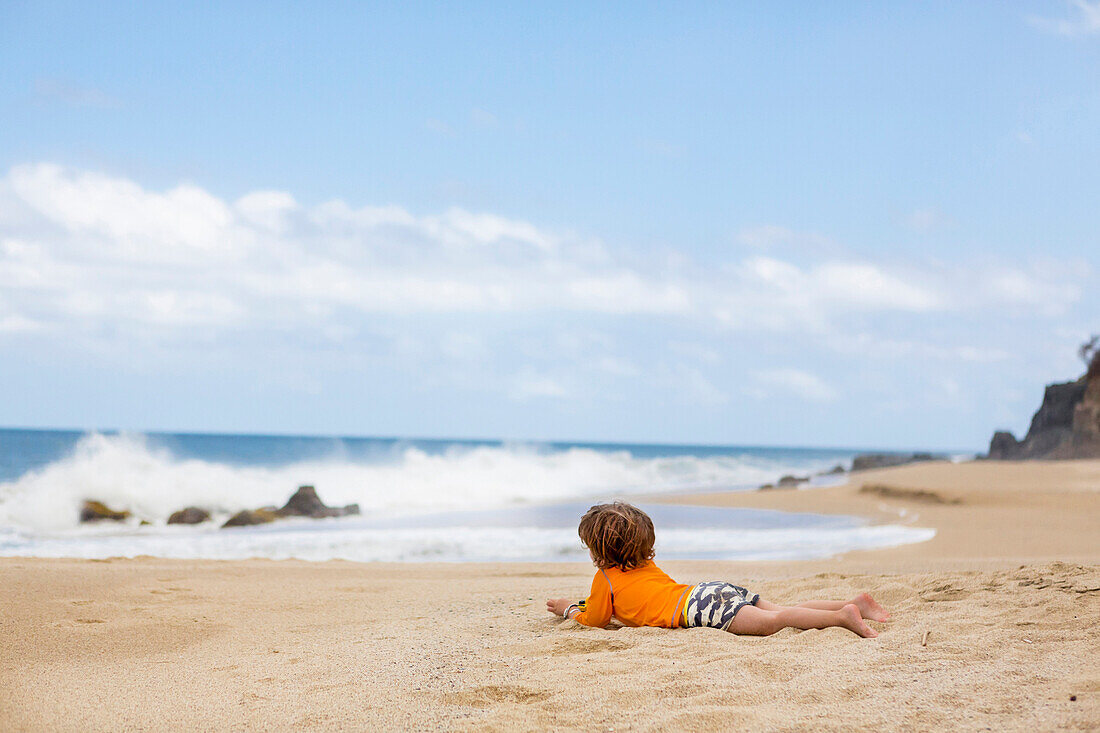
(597, 607)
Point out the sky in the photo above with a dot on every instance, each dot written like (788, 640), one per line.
(818, 224)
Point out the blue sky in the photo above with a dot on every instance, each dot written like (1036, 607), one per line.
(804, 223)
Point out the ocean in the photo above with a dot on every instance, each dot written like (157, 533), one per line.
(421, 500)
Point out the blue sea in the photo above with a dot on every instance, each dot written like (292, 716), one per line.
(421, 500)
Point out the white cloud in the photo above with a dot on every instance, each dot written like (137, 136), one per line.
(1016, 287)
(123, 221)
(182, 308)
(1084, 18)
(860, 284)
(80, 245)
(270, 210)
(340, 218)
(81, 249)
(460, 228)
(795, 382)
(771, 294)
(18, 324)
(627, 291)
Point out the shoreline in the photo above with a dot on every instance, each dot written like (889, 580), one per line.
(985, 513)
(994, 626)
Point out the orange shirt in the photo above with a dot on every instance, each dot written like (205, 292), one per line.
(644, 596)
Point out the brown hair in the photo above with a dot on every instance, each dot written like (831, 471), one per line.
(619, 535)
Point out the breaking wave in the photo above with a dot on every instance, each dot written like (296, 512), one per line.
(131, 472)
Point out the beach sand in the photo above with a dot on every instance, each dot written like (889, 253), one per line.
(1006, 599)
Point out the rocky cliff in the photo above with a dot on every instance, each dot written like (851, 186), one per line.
(1067, 424)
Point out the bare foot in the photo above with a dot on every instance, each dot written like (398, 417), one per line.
(868, 608)
(853, 621)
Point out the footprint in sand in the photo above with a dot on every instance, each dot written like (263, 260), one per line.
(681, 689)
(325, 687)
(770, 672)
(490, 695)
(945, 592)
(587, 646)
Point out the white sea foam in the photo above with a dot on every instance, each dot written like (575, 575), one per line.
(402, 492)
(127, 472)
(338, 539)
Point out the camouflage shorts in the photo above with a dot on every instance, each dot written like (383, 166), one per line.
(715, 603)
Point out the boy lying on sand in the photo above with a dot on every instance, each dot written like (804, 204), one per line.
(619, 538)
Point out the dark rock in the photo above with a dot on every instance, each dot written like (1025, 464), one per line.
(788, 481)
(767, 487)
(306, 503)
(867, 461)
(1056, 411)
(1051, 429)
(1066, 425)
(97, 511)
(190, 515)
(834, 470)
(246, 517)
(1003, 446)
(1086, 414)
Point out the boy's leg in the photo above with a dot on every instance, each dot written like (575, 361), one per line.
(867, 606)
(757, 621)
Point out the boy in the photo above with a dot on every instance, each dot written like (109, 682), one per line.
(620, 537)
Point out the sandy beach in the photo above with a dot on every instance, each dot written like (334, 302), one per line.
(994, 627)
